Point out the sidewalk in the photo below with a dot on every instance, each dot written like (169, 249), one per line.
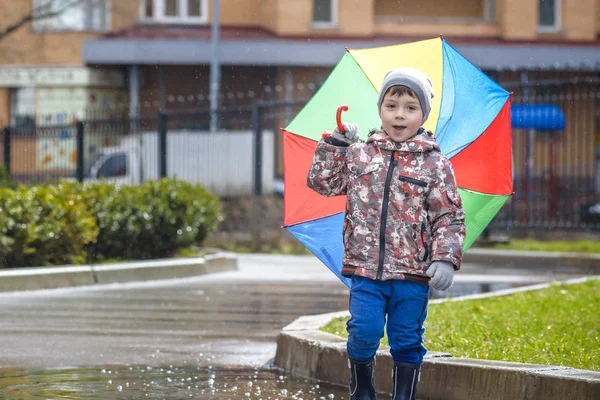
(16, 279)
(550, 261)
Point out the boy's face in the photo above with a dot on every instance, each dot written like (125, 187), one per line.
(401, 116)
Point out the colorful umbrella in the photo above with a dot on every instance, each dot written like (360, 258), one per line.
(470, 118)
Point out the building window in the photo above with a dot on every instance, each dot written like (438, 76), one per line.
(71, 15)
(23, 107)
(171, 8)
(324, 13)
(549, 15)
(175, 11)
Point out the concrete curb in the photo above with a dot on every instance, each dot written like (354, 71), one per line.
(69, 276)
(19, 279)
(302, 349)
(576, 262)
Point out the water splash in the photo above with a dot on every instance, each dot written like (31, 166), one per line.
(172, 382)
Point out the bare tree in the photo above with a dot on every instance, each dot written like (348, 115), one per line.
(46, 10)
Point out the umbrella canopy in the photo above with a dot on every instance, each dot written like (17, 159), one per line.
(470, 118)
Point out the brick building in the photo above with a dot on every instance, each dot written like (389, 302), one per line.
(156, 53)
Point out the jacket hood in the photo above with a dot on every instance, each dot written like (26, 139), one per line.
(423, 141)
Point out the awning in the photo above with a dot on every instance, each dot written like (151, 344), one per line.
(160, 46)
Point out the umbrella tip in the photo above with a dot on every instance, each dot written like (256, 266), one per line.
(282, 129)
(441, 36)
(347, 49)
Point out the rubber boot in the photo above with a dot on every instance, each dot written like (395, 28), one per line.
(362, 380)
(406, 377)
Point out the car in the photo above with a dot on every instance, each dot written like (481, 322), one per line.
(590, 213)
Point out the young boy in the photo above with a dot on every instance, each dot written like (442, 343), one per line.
(403, 230)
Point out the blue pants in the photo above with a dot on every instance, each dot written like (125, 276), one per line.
(404, 303)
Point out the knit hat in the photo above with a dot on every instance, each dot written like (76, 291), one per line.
(413, 79)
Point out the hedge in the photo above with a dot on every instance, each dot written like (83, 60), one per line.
(74, 223)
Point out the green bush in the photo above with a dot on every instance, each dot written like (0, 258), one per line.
(44, 225)
(152, 220)
(5, 180)
(71, 223)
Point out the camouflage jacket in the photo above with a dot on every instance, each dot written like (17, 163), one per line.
(403, 210)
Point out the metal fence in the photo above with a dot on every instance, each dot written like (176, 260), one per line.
(556, 156)
(239, 158)
(556, 148)
(36, 153)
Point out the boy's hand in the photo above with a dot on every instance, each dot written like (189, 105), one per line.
(442, 275)
(350, 136)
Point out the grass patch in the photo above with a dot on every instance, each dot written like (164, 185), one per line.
(577, 246)
(559, 325)
(190, 251)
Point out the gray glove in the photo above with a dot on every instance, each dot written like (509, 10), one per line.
(350, 136)
(442, 275)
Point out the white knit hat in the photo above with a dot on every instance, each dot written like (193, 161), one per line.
(413, 79)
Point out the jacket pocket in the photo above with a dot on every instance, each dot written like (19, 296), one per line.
(414, 181)
(347, 234)
(424, 240)
(358, 167)
(421, 249)
(413, 187)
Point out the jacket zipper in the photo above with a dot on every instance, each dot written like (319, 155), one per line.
(384, 211)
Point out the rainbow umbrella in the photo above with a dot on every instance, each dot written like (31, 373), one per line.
(470, 118)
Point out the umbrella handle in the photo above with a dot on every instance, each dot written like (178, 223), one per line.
(338, 118)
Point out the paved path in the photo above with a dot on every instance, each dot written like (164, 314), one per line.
(228, 318)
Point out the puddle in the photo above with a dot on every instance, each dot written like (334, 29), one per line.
(167, 383)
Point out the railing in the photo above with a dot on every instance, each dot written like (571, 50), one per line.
(556, 152)
(240, 158)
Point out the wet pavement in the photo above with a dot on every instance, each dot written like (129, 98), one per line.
(168, 383)
(208, 337)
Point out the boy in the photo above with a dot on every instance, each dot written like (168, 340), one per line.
(403, 230)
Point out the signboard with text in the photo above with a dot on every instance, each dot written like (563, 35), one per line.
(59, 76)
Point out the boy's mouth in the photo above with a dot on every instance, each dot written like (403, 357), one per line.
(399, 127)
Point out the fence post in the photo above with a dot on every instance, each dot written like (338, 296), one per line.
(7, 149)
(257, 117)
(162, 144)
(597, 136)
(79, 172)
